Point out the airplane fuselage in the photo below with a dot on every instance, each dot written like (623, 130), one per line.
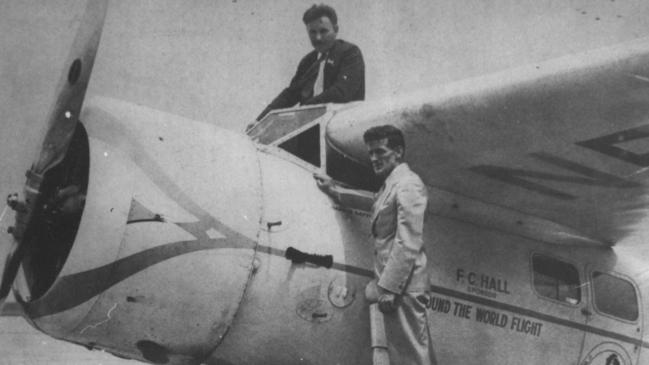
(181, 258)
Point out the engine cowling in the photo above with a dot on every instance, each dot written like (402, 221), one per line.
(165, 242)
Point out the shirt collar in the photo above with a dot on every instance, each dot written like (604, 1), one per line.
(328, 52)
(397, 172)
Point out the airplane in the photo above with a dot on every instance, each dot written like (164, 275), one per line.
(170, 241)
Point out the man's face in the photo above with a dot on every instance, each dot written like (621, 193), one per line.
(384, 159)
(322, 33)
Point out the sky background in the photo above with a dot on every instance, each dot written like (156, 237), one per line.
(222, 61)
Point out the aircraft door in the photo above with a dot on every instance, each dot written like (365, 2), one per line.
(613, 320)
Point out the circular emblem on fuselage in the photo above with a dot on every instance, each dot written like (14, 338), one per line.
(607, 353)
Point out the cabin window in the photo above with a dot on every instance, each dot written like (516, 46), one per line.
(556, 280)
(615, 296)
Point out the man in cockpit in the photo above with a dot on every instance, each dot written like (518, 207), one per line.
(400, 260)
(334, 72)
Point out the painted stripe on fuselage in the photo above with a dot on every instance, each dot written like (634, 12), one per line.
(73, 290)
(538, 315)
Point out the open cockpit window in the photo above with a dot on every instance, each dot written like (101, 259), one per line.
(299, 131)
(355, 174)
(305, 145)
(296, 131)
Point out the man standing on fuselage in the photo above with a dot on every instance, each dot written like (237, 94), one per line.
(400, 261)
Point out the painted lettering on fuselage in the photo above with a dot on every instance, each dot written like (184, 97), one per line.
(579, 174)
(510, 322)
(527, 326)
(438, 304)
(482, 284)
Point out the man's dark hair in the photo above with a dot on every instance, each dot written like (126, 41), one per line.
(318, 11)
(391, 133)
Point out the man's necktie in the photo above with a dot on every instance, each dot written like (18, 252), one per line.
(318, 86)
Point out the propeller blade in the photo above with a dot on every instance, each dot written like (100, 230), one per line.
(60, 126)
(71, 89)
(10, 271)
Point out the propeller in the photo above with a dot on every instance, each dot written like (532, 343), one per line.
(62, 121)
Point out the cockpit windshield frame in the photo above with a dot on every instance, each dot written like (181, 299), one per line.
(299, 135)
(281, 125)
(286, 129)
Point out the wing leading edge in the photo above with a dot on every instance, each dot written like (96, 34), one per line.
(565, 141)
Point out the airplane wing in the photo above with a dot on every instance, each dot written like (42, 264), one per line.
(564, 142)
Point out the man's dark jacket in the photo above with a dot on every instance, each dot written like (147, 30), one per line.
(344, 79)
